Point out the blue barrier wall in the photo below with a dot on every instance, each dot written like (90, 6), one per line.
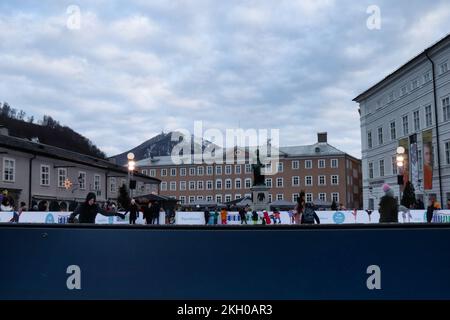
(283, 262)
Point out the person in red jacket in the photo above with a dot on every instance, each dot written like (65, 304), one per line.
(223, 216)
(266, 217)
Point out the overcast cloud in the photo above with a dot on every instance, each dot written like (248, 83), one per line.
(135, 68)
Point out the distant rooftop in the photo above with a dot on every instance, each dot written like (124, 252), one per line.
(318, 149)
(49, 151)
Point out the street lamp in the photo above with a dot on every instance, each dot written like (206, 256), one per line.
(371, 197)
(131, 166)
(400, 163)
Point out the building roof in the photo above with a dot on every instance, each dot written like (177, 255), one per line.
(41, 149)
(155, 161)
(204, 204)
(403, 67)
(153, 197)
(241, 202)
(317, 149)
(282, 203)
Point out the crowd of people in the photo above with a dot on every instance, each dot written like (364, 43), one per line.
(88, 211)
(7, 203)
(389, 207)
(304, 213)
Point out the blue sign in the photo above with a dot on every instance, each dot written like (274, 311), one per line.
(338, 217)
(62, 219)
(49, 218)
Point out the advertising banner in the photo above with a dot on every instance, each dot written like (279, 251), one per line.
(427, 140)
(189, 218)
(413, 161)
(233, 218)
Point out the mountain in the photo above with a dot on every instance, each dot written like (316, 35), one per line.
(48, 131)
(160, 145)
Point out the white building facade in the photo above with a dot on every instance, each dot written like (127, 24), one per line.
(34, 172)
(411, 101)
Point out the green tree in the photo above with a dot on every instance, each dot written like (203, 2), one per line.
(409, 195)
(6, 110)
(21, 115)
(124, 197)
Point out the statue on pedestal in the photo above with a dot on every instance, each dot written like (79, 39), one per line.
(258, 177)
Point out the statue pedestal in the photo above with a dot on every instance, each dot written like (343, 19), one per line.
(260, 196)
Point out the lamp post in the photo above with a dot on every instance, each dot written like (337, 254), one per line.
(400, 163)
(371, 198)
(419, 187)
(131, 165)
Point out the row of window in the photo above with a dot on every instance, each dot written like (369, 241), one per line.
(381, 166)
(381, 162)
(295, 181)
(9, 175)
(322, 196)
(200, 171)
(405, 124)
(228, 183)
(62, 177)
(412, 85)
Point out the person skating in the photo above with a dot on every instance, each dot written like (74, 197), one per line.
(16, 215)
(255, 217)
(216, 215)
(88, 210)
(299, 207)
(266, 217)
(277, 216)
(430, 209)
(148, 213)
(207, 214)
(223, 216)
(134, 211)
(388, 206)
(243, 215)
(309, 215)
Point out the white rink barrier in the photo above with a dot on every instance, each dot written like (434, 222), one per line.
(62, 217)
(233, 218)
(326, 217)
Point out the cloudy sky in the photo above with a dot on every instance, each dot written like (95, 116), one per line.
(135, 68)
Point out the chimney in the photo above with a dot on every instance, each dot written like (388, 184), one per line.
(4, 131)
(322, 137)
